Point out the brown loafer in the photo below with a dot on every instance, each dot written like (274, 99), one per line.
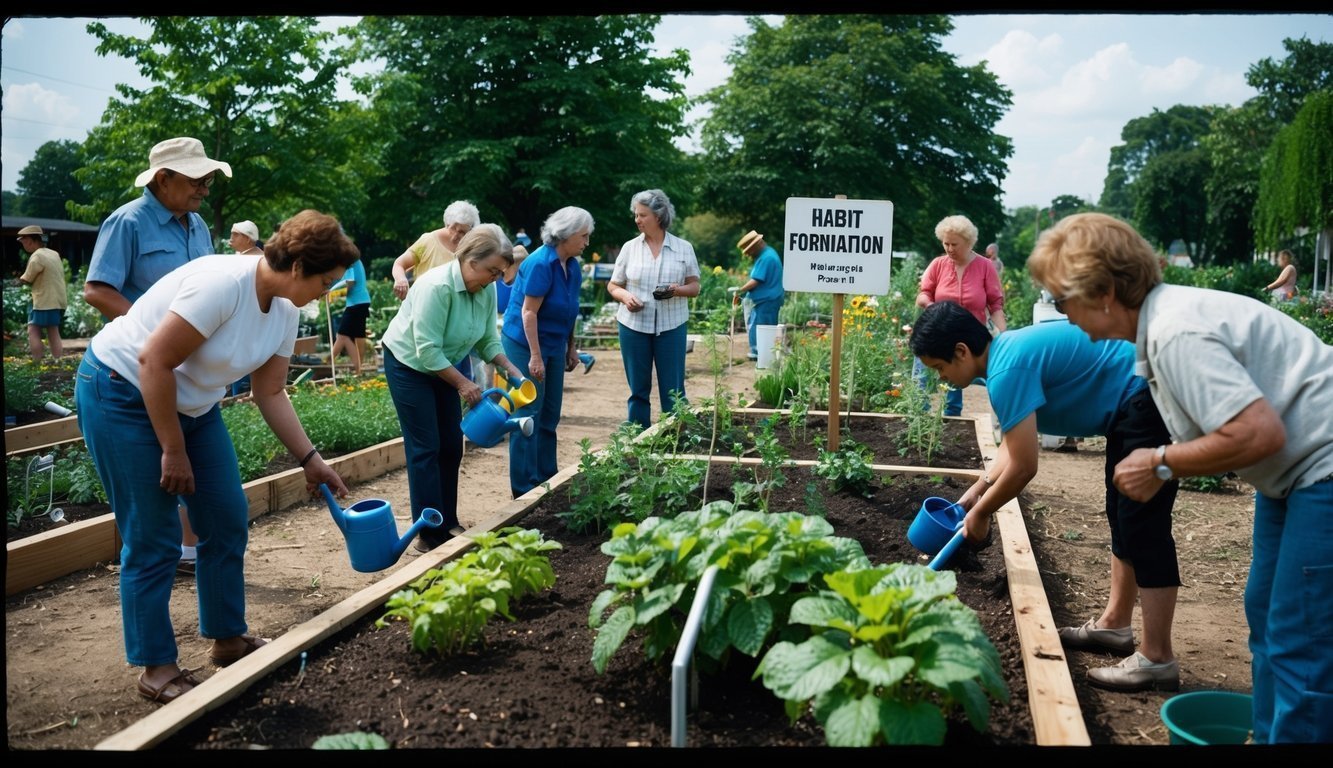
(251, 645)
(171, 689)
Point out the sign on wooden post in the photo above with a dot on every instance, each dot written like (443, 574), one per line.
(837, 246)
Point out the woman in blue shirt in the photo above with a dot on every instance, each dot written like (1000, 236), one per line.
(539, 329)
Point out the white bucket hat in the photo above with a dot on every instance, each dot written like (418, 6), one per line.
(246, 228)
(183, 155)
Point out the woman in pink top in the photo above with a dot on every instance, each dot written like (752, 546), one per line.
(962, 275)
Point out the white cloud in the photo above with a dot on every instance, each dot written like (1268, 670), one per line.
(1175, 78)
(1020, 59)
(44, 110)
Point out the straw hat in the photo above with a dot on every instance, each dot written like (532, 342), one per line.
(246, 228)
(31, 229)
(183, 155)
(749, 240)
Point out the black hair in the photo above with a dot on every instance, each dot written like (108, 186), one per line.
(942, 325)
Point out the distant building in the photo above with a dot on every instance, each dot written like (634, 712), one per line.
(72, 240)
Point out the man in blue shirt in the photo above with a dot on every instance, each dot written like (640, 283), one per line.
(764, 287)
(1052, 378)
(146, 238)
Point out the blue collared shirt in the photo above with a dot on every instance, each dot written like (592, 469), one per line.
(541, 274)
(141, 241)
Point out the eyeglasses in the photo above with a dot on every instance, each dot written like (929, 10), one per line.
(1059, 303)
(200, 184)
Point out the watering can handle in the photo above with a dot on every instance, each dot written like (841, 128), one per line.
(501, 393)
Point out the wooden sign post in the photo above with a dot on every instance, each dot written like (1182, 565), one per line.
(833, 245)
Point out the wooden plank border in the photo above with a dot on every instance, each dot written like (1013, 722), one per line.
(1056, 715)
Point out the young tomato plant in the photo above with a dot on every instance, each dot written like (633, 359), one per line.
(848, 468)
(892, 652)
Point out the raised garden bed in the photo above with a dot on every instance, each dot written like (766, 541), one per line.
(533, 683)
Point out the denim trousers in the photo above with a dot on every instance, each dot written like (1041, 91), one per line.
(533, 460)
(953, 399)
(128, 458)
(430, 413)
(1289, 607)
(764, 313)
(641, 352)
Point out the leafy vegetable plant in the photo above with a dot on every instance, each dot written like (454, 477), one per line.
(848, 468)
(892, 653)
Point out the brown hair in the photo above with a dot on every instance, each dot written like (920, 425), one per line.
(1086, 255)
(313, 239)
(484, 241)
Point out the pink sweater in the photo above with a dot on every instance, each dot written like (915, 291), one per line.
(979, 292)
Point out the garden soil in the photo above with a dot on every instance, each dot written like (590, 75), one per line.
(68, 686)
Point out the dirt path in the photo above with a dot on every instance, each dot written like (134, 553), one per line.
(68, 686)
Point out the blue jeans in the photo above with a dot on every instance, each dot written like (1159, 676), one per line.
(1289, 607)
(640, 353)
(128, 458)
(763, 313)
(532, 460)
(430, 413)
(953, 399)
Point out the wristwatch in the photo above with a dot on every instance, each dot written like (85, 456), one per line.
(1162, 471)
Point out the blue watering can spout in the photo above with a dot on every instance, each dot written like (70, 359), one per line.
(372, 537)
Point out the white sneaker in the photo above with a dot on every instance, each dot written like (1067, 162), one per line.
(1137, 673)
(1091, 636)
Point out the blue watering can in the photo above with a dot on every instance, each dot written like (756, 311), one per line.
(486, 423)
(372, 534)
(522, 392)
(937, 530)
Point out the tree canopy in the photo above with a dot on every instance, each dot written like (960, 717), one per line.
(521, 115)
(869, 107)
(1296, 184)
(257, 91)
(47, 182)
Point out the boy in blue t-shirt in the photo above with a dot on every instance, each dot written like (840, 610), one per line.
(1052, 378)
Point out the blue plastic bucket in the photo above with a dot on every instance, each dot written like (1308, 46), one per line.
(935, 524)
(1209, 717)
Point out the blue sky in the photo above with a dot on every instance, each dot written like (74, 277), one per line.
(1076, 79)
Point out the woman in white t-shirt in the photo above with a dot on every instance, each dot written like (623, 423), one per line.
(147, 393)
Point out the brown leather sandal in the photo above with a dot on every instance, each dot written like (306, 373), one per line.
(171, 689)
(251, 644)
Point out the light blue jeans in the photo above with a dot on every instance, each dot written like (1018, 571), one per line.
(128, 458)
(953, 399)
(641, 352)
(533, 459)
(1289, 607)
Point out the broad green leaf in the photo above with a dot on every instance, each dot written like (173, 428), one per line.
(351, 740)
(749, 623)
(916, 723)
(974, 703)
(806, 670)
(612, 634)
(652, 604)
(853, 724)
(821, 611)
(877, 670)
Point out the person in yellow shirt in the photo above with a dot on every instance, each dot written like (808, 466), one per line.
(434, 248)
(46, 274)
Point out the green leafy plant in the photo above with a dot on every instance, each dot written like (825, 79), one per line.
(351, 740)
(848, 468)
(768, 474)
(765, 562)
(449, 607)
(1205, 483)
(891, 654)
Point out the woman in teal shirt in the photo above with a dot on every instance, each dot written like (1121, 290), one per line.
(449, 312)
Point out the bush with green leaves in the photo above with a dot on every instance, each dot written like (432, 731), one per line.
(847, 469)
(765, 561)
(891, 654)
(627, 481)
(449, 607)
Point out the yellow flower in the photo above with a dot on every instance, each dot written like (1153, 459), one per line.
(717, 270)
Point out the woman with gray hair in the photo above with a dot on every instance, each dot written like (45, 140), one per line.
(1244, 388)
(539, 329)
(961, 274)
(436, 247)
(654, 274)
(449, 313)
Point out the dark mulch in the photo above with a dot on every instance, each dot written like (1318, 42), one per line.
(886, 438)
(533, 685)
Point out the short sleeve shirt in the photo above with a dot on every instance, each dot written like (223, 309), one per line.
(639, 272)
(767, 270)
(979, 291)
(216, 295)
(1072, 383)
(357, 291)
(142, 241)
(1207, 355)
(541, 274)
(428, 253)
(46, 272)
